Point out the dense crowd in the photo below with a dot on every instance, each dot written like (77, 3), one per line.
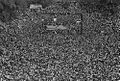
(83, 43)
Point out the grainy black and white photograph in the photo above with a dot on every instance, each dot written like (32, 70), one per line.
(59, 40)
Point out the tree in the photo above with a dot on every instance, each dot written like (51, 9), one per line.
(7, 12)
